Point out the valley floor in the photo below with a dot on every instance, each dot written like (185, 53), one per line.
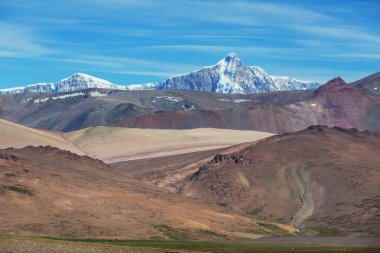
(66, 245)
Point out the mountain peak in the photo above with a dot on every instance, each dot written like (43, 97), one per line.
(336, 81)
(231, 57)
(80, 74)
(333, 85)
(84, 78)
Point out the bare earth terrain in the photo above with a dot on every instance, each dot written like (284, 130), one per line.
(78, 111)
(114, 144)
(26, 245)
(13, 135)
(334, 104)
(269, 245)
(321, 180)
(47, 191)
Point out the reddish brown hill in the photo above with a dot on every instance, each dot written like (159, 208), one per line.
(320, 178)
(74, 111)
(346, 106)
(335, 104)
(371, 83)
(177, 120)
(47, 191)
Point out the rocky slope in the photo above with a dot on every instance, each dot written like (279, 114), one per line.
(334, 104)
(77, 110)
(319, 179)
(371, 83)
(45, 191)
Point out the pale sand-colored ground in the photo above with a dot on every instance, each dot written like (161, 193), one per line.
(13, 135)
(115, 144)
(112, 144)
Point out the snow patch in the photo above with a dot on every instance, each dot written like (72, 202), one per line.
(192, 107)
(40, 100)
(26, 100)
(97, 94)
(146, 86)
(241, 100)
(224, 99)
(173, 99)
(69, 95)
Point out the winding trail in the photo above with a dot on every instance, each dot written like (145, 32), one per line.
(305, 196)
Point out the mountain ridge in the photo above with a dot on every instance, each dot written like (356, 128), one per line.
(75, 82)
(229, 75)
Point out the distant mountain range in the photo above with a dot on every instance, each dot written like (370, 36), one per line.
(76, 82)
(230, 75)
(333, 104)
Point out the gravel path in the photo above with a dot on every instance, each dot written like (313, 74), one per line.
(306, 199)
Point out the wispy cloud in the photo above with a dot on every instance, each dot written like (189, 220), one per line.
(19, 41)
(340, 32)
(162, 38)
(130, 66)
(354, 56)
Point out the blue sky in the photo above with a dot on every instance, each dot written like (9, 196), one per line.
(138, 41)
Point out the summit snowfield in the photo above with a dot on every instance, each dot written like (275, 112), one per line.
(76, 82)
(230, 75)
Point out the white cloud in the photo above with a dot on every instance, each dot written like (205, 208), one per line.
(130, 66)
(19, 41)
(340, 32)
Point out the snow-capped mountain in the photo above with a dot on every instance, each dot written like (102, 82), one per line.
(80, 81)
(290, 83)
(145, 86)
(37, 87)
(76, 82)
(229, 75)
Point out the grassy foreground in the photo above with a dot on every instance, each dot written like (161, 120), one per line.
(103, 245)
